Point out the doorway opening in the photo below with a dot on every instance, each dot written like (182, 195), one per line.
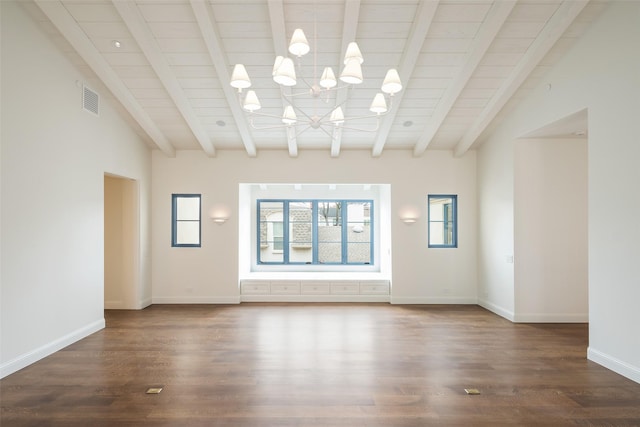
(121, 243)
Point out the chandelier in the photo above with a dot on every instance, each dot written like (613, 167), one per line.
(284, 74)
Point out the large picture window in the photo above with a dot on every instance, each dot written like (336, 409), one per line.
(315, 232)
(185, 220)
(443, 221)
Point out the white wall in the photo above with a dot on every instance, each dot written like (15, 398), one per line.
(601, 73)
(550, 230)
(54, 156)
(210, 273)
(495, 226)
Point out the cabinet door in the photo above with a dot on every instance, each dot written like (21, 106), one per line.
(255, 288)
(374, 287)
(344, 288)
(285, 288)
(315, 288)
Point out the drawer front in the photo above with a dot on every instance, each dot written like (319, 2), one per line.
(255, 288)
(284, 288)
(346, 288)
(374, 288)
(315, 289)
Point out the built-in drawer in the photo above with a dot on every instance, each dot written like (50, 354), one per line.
(345, 288)
(285, 288)
(374, 287)
(255, 288)
(315, 288)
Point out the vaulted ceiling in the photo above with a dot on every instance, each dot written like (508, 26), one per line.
(168, 63)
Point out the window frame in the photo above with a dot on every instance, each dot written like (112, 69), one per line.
(175, 221)
(454, 220)
(287, 239)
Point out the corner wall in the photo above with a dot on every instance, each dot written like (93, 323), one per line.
(550, 223)
(54, 157)
(601, 73)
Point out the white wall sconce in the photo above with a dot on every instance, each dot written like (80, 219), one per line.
(220, 214)
(219, 219)
(409, 214)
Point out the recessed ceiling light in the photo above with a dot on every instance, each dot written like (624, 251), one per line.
(116, 44)
(221, 123)
(407, 124)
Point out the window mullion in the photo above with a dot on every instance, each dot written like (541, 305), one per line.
(285, 231)
(343, 230)
(314, 232)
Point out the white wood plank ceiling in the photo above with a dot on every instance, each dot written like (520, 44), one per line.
(462, 64)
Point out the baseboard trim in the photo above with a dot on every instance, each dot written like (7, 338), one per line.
(196, 300)
(39, 353)
(314, 298)
(616, 365)
(552, 318)
(434, 300)
(145, 303)
(110, 305)
(500, 311)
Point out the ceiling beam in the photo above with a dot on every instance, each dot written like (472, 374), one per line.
(278, 32)
(211, 38)
(550, 34)
(70, 29)
(424, 15)
(140, 31)
(349, 30)
(492, 24)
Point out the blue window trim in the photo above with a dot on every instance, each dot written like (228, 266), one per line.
(174, 221)
(314, 231)
(454, 202)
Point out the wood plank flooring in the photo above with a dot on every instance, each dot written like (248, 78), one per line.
(311, 365)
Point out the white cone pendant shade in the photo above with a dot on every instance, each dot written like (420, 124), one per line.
(251, 102)
(277, 64)
(337, 116)
(240, 77)
(328, 79)
(391, 83)
(379, 104)
(353, 52)
(299, 45)
(352, 73)
(286, 73)
(289, 116)
(323, 87)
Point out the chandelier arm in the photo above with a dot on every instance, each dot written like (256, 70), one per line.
(355, 128)
(298, 109)
(370, 116)
(282, 126)
(307, 127)
(269, 127)
(255, 113)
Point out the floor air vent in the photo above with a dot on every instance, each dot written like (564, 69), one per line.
(90, 100)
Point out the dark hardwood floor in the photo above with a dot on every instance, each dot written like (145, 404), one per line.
(315, 365)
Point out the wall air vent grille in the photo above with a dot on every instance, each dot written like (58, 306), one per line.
(90, 100)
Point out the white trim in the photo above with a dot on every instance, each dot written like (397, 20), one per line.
(434, 300)
(551, 318)
(33, 356)
(614, 364)
(195, 300)
(145, 303)
(314, 298)
(509, 315)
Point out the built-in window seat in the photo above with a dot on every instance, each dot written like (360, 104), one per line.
(318, 287)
